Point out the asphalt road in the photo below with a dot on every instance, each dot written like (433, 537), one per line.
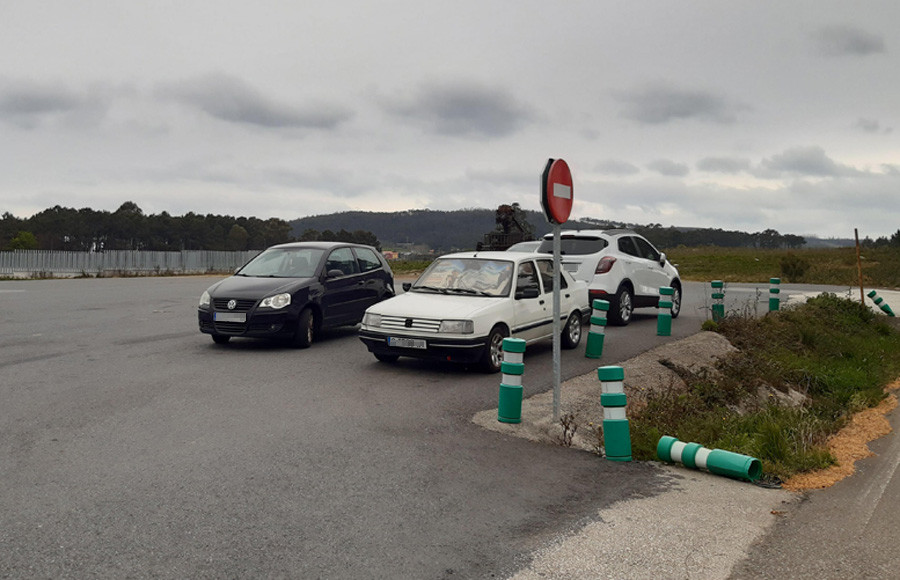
(132, 446)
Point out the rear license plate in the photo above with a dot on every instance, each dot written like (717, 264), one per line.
(230, 316)
(406, 342)
(570, 267)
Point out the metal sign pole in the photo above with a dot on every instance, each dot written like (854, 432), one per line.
(557, 355)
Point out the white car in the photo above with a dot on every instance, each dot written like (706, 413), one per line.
(619, 266)
(464, 305)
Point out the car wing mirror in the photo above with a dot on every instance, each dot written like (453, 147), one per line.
(407, 286)
(334, 273)
(662, 259)
(527, 293)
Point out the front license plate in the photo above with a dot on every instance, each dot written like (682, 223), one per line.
(230, 316)
(407, 342)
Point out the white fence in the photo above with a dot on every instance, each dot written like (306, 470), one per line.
(43, 263)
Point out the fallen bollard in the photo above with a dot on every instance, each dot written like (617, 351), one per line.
(880, 303)
(695, 456)
(509, 406)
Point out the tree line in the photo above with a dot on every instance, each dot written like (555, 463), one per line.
(129, 228)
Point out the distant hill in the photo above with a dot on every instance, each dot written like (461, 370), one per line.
(442, 231)
(445, 231)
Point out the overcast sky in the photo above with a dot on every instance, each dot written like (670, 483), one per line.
(729, 114)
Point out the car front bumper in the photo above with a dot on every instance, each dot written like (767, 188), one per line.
(470, 350)
(277, 324)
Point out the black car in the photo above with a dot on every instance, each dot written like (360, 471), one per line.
(290, 291)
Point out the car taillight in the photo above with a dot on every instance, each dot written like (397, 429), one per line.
(605, 265)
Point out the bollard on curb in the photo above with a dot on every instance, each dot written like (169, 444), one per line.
(695, 456)
(664, 317)
(880, 303)
(774, 294)
(718, 296)
(597, 332)
(616, 434)
(509, 406)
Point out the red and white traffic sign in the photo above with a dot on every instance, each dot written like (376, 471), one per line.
(556, 191)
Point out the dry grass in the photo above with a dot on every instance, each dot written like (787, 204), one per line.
(849, 445)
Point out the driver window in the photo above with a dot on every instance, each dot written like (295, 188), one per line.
(527, 277)
(646, 250)
(546, 268)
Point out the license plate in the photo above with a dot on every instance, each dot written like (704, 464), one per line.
(570, 267)
(230, 316)
(407, 342)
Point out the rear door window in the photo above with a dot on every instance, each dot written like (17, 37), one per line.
(626, 246)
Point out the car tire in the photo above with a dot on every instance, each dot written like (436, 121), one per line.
(571, 334)
(306, 329)
(387, 358)
(622, 307)
(493, 352)
(220, 338)
(676, 301)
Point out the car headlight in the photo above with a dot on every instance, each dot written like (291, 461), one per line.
(276, 302)
(457, 326)
(371, 319)
(205, 299)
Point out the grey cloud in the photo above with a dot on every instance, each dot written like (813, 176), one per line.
(616, 167)
(723, 165)
(802, 161)
(669, 168)
(233, 100)
(27, 104)
(464, 110)
(843, 40)
(658, 104)
(872, 126)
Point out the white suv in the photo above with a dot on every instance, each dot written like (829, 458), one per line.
(619, 266)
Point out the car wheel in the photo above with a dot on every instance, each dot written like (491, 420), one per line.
(493, 353)
(622, 307)
(387, 358)
(676, 301)
(306, 328)
(571, 334)
(220, 338)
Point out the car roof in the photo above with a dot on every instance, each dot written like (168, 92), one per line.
(592, 233)
(505, 256)
(318, 244)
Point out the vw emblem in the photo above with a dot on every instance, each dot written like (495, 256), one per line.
(232, 304)
(408, 323)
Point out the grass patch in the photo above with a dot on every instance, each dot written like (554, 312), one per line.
(835, 266)
(833, 350)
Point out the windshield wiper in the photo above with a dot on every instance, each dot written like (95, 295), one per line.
(432, 288)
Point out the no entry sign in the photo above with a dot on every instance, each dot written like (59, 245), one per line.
(556, 191)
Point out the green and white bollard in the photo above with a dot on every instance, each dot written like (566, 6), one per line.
(616, 434)
(664, 317)
(509, 407)
(695, 456)
(880, 303)
(597, 332)
(774, 294)
(718, 297)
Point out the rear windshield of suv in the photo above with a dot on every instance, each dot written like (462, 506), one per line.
(574, 245)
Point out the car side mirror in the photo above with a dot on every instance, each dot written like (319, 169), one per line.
(407, 286)
(662, 259)
(334, 273)
(526, 293)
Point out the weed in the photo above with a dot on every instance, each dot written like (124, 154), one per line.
(569, 428)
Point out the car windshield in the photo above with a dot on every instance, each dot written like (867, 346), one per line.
(574, 245)
(284, 263)
(474, 276)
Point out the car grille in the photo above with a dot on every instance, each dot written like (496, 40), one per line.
(242, 305)
(230, 327)
(419, 324)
